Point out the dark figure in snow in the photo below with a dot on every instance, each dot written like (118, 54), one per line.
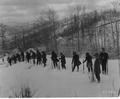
(63, 61)
(33, 55)
(54, 59)
(75, 61)
(2, 59)
(44, 58)
(9, 60)
(11, 57)
(104, 60)
(22, 55)
(14, 59)
(39, 56)
(18, 57)
(97, 70)
(88, 59)
(28, 56)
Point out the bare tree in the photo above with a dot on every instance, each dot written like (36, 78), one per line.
(77, 12)
(3, 31)
(50, 16)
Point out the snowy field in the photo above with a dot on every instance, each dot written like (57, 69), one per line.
(46, 82)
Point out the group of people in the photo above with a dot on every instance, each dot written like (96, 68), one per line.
(18, 57)
(29, 56)
(101, 59)
(57, 60)
(39, 58)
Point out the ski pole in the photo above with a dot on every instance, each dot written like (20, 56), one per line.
(83, 66)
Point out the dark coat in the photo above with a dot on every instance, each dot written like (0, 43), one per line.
(22, 54)
(39, 56)
(97, 66)
(54, 57)
(76, 60)
(63, 60)
(104, 56)
(44, 57)
(33, 55)
(88, 59)
(27, 55)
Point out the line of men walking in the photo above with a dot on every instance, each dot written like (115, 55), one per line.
(29, 56)
(101, 59)
(39, 58)
(18, 57)
(56, 60)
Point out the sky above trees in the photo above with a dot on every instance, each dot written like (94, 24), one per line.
(12, 11)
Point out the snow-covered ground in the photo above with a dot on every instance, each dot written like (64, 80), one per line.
(46, 82)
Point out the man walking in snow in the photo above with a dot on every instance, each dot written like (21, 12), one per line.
(18, 57)
(22, 55)
(88, 59)
(63, 61)
(75, 61)
(44, 58)
(38, 57)
(104, 60)
(14, 58)
(33, 56)
(28, 56)
(97, 70)
(9, 60)
(89, 64)
(54, 59)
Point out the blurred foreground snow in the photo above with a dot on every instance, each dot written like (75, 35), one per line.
(54, 83)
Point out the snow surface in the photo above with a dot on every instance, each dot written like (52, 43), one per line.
(46, 82)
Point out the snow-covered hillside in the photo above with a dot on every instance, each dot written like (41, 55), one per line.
(46, 82)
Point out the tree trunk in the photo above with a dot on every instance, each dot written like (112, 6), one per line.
(104, 36)
(112, 30)
(55, 41)
(117, 34)
(96, 40)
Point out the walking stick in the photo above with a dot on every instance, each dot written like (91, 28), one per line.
(51, 64)
(72, 66)
(107, 68)
(83, 66)
(59, 64)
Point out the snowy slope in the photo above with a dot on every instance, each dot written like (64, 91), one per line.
(54, 83)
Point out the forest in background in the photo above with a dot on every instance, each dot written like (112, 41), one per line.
(80, 31)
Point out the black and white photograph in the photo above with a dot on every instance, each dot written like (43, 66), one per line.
(59, 48)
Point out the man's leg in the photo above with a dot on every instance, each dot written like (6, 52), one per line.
(107, 67)
(44, 63)
(64, 66)
(77, 68)
(88, 69)
(37, 61)
(98, 77)
(91, 68)
(73, 68)
(103, 68)
(54, 64)
(10, 63)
